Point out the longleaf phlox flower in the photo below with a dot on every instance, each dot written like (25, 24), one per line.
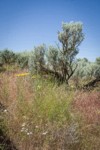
(22, 74)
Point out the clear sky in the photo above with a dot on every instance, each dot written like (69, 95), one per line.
(28, 23)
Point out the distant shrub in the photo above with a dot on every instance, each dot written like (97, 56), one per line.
(7, 57)
(22, 60)
(37, 59)
(87, 69)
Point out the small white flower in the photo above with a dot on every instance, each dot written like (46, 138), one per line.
(29, 133)
(26, 130)
(23, 129)
(23, 124)
(5, 110)
(44, 133)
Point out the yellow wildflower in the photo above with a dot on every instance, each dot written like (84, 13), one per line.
(22, 74)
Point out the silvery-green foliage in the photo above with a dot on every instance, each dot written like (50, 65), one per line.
(52, 58)
(82, 68)
(1, 62)
(37, 59)
(87, 69)
(97, 71)
(98, 60)
(22, 59)
(7, 56)
(1, 59)
(71, 37)
(97, 67)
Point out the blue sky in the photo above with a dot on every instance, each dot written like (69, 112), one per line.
(28, 23)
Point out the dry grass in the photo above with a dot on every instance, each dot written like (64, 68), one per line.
(38, 115)
(88, 104)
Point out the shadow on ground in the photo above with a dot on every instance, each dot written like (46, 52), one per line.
(5, 142)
